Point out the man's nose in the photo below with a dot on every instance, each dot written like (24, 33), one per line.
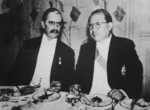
(94, 28)
(56, 26)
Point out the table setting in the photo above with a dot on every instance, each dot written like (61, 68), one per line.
(37, 98)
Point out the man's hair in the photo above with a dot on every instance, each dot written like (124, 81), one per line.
(49, 10)
(107, 15)
(45, 14)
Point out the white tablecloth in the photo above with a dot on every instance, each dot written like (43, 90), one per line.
(59, 104)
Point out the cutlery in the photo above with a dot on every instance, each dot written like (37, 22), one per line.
(133, 104)
(45, 91)
(18, 88)
(13, 101)
(44, 96)
(35, 101)
(115, 102)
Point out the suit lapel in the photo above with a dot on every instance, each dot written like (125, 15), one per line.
(33, 60)
(55, 63)
(110, 61)
(86, 65)
(110, 51)
(114, 62)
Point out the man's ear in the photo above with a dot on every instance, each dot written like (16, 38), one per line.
(110, 24)
(42, 24)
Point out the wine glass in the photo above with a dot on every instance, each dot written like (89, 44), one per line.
(73, 98)
(55, 86)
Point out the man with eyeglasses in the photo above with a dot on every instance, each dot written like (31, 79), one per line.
(108, 64)
(45, 60)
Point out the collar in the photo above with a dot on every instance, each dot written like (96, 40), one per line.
(104, 42)
(47, 38)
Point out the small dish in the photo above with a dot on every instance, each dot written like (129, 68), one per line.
(105, 101)
(70, 98)
(48, 97)
(127, 104)
(23, 93)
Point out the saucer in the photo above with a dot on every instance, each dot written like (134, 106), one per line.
(104, 103)
(127, 104)
(49, 97)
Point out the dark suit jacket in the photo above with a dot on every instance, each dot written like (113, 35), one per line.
(24, 67)
(121, 54)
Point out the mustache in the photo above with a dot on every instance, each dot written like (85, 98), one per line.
(54, 31)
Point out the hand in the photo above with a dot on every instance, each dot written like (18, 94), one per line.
(142, 103)
(116, 95)
(75, 89)
(55, 86)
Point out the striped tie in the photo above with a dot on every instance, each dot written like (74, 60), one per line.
(101, 61)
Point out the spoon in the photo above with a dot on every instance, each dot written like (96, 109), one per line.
(114, 104)
(18, 87)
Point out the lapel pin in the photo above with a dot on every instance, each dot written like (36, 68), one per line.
(59, 60)
(123, 70)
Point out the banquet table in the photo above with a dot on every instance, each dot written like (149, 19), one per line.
(63, 105)
(59, 104)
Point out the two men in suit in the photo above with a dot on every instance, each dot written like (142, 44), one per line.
(108, 64)
(45, 60)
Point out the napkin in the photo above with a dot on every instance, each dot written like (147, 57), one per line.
(28, 106)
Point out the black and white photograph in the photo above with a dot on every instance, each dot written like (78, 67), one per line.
(74, 55)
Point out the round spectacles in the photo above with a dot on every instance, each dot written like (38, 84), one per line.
(96, 25)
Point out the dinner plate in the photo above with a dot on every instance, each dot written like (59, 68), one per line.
(105, 101)
(21, 99)
(6, 93)
(12, 90)
(23, 93)
(50, 97)
(127, 104)
(14, 95)
(6, 105)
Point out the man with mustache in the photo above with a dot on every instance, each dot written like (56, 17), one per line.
(45, 60)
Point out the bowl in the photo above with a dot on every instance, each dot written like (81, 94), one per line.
(72, 98)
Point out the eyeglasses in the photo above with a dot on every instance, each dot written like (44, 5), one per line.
(96, 25)
(56, 23)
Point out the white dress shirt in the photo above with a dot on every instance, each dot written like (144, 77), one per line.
(44, 62)
(100, 82)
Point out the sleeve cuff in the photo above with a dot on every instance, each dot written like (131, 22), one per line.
(125, 94)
